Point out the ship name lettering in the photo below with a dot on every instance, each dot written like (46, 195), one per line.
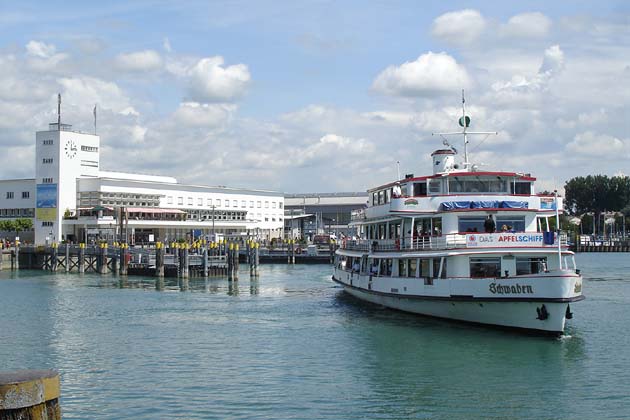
(510, 289)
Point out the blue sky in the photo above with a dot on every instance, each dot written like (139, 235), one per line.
(320, 95)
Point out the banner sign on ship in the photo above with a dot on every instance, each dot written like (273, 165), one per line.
(503, 240)
(547, 203)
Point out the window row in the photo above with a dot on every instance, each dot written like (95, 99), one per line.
(17, 212)
(218, 202)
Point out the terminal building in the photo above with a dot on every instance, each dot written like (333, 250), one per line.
(72, 199)
(308, 215)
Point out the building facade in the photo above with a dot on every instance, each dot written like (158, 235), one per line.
(71, 199)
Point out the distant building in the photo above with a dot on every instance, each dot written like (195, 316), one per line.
(72, 199)
(307, 215)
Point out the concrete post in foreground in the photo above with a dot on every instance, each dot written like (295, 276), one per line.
(30, 395)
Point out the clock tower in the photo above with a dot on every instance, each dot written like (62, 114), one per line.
(61, 157)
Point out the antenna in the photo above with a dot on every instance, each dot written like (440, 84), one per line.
(94, 119)
(59, 111)
(464, 122)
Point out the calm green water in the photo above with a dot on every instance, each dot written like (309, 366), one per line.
(293, 345)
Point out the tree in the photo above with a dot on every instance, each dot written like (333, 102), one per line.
(17, 225)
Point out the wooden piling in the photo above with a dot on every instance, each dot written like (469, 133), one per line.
(205, 262)
(103, 259)
(1, 254)
(54, 258)
(257, 260)
(81, 262)
(159, 259)
(185, 262)
(235, 264)
(67, 264)
(30, 395)
(124, 259)
(230, 262)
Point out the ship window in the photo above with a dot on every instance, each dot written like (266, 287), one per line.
(458, 185)
(471, 224)
(402, 267)
(381, 197)
(521, 188)
(527, 265)
(436, 269)
(511, 223)
(420, 189)
(424, 268)
(485, 267)
(388, 195)
(435, 186)
(411, 267)
(386, 267)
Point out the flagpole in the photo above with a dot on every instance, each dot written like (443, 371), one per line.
(94, 119)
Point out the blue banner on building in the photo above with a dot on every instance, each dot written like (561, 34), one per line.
(46, 196)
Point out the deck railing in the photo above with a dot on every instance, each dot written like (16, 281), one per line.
(449, 241)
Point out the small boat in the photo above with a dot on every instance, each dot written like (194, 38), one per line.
(463, 244)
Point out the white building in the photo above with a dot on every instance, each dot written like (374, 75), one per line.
(72, 199)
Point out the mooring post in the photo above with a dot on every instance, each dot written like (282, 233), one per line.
(30, 395)
(159, 259)
(67, 265)
(185, 267)
(257, 257)
(81, 257)
(114, 257)
(124, 259)
(53, 257)
(103, 258)
(230, 262)
(1, 254)
(236, 261)
(205, 261)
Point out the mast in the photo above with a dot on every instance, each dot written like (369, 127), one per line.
(464, 122)
(59, 111)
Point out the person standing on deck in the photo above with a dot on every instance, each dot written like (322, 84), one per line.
(488, 225)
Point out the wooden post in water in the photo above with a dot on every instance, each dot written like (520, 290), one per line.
(230, 262)
(30, 395)
(114, 258)
(257, 259)
(53, 257)
(124, 260)
(1, 254)
(205, 261)
(67, 265)
(185, 262)
(103, 259)
(236, 262)
(81, 262)
(159, 259)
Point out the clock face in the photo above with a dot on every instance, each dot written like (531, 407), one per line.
(71, 149)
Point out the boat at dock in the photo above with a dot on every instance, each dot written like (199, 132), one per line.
(463, 244)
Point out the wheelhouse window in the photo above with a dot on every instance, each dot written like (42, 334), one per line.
(402, 267)
(520, 187)
(412, 265)
(463, 185)
(436, 268)
(485, 267)
(529, 265)
(419, 189)
(435, 186)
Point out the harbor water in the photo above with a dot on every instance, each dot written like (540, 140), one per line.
(292, 345)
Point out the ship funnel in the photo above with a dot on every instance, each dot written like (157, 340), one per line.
(443, 161)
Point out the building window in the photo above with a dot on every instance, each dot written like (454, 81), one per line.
(47, 142)
(47, 160)
(485, 267)
(200, 201)
(243, 203)
(9, 194)
(251, 204)
(266, 204)
(227, 203)
(47, 224)
(234, 203)
(26, 194)
(169, 200)
(218, 202)
(89, 149)
(273, 204)
(209, 202)
(279, 205)
(180, 201)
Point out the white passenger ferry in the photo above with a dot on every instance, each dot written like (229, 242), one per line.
(463, 244)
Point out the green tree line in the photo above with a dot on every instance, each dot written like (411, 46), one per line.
(594, 196)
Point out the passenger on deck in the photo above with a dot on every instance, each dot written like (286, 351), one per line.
(488, 225)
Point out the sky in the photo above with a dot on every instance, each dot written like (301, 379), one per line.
(316, 95)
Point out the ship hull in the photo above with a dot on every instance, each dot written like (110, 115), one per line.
(512, 313)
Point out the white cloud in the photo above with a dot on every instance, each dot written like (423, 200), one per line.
(167, 45)
(193, 114)
(527, 25)
(140, 61)
(431, 74)
(593, 144)
(210, 81)
(459, 27)
(40, 49)
(84, 92)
